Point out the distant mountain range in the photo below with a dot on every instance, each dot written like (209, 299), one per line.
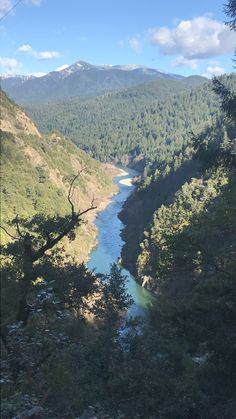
(79, 80)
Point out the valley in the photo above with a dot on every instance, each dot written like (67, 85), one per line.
(110, 244)
(118, 240)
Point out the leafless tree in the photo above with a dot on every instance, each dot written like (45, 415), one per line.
(31, 252)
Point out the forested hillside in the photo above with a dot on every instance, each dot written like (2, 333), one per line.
(37, 171)
(74, 344)
(164, 177)
(178, 362)
(188, 257)
(140, 123)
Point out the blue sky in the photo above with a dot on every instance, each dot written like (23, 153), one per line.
(186, 37)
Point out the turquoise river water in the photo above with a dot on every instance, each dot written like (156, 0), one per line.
(110, 244)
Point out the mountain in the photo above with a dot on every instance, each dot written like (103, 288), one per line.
(170, 176)
(37, 171)
(136, 123)
(80, 79)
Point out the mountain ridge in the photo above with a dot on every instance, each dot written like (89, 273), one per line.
(79, 79)
(84, 65)
(120, 126)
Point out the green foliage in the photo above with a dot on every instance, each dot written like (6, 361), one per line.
(37, 171)
(60, 311)
(227, 96)
(147, 122)
(212, 147)
(188, 254)
(114, 299)
(155, 258)
(179, 362)
(230, 10)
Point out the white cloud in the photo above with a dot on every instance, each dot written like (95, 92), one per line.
(10, 65)
(62, 67)
(212, 71)
(135, 43)
(199, 38)
(5, 6)
(40, 55)
(25, 48)
(181, 61)
(46, 55)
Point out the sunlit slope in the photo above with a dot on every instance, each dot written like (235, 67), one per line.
(36, 174)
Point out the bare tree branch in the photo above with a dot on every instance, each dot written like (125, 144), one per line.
(18, 227)
(92, 202)
(7, 232)
(31, 253)
(75, 221)
(71, 191)
(48, 237)
(87, 210)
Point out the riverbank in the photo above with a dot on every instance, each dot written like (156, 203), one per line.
(113, 172)
(90, 219)
(127, 182)
(110, 243)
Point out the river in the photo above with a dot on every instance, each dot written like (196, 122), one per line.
(109, 245)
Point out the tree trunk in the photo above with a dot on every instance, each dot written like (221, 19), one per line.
(28, 277)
